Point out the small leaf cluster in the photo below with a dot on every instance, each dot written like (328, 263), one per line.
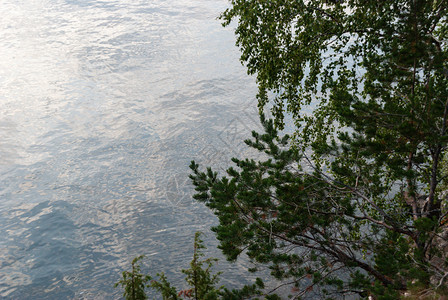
(134, 282)
(202, 283)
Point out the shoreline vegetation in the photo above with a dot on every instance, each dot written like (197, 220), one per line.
(354, 202)
(202, 283)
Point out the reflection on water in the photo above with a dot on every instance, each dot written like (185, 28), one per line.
(102, 106)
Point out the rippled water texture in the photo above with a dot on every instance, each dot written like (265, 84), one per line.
(102, 106)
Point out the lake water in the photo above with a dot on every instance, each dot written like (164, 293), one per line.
(103, 104)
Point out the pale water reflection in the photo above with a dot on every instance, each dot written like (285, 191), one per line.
(102, 106)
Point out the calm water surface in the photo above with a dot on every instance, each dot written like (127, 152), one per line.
(102, 106)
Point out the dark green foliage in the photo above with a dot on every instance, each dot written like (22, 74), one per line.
(312, 228)
(287, 218)
(163, 286)
(199, 276)
(353, 203)
(134, 282)
(201, 282)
